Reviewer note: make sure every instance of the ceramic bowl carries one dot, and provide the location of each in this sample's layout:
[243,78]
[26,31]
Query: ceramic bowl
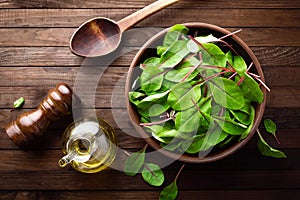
[148,50]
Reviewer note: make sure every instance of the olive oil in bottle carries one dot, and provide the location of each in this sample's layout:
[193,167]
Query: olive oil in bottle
[89,146]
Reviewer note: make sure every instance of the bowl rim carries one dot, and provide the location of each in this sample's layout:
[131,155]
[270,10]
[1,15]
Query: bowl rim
[186,157]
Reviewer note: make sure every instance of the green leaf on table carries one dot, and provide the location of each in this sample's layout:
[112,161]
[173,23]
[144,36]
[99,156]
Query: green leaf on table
[19,103]
[170,192]
[134,162]
[174,33]
[226,93]
[250,89]
[182,94]
[153,175]
[266,150]
[239,64]
[271,127]
[151,79]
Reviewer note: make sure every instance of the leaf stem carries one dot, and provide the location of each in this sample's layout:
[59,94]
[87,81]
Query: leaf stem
[178,173]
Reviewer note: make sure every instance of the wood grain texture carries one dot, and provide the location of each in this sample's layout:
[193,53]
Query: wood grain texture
[34,57]
[150,195]
[62,57]
[59,37]
[222,17]
[210,179]
[142,3]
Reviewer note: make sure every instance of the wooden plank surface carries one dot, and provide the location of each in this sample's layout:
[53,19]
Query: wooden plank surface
[222,17]
[34,57]
[142,3]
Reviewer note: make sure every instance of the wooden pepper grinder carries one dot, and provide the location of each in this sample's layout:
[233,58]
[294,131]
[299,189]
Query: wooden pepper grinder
[30,126]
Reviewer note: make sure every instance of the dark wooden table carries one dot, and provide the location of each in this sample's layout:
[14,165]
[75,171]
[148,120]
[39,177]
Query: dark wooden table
[34,57]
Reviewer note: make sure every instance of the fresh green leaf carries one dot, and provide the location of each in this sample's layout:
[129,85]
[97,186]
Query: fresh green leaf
[153,175]
[251,118]
[239,64]
[134,162]
[194,144]
[174,33]
[174,54]
[183,94]
[135,97]
[213,55]
[170,192]
[229,126]
[267,150]
[271,127]
[177,75]
[226,93]
[206,39]
[19,102]
[151,79]
[152,61]
[153,105]
[251,89]
[187,120]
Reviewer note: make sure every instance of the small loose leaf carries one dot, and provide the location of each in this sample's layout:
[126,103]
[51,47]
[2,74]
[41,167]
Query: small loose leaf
[153,175]
[266,150]
[134,162]
[271,127]
[19,103]
[170,192]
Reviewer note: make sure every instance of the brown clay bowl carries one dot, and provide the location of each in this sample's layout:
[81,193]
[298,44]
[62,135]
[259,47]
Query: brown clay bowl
[148,50]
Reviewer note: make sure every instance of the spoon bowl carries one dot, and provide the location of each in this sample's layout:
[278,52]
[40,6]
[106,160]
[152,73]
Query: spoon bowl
[96,37]
[100,36]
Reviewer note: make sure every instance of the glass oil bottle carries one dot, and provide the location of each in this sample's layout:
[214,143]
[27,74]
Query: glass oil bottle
[89,145]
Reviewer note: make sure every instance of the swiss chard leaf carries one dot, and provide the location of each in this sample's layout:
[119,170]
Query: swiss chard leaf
[152,61]
[153,175]
[170,192]
[177,75]
[267,150]
[174,54]
[187,120]
[251,89]
[183,94]
[174,33]
[134,162]
[151,79]
[194,144]
[239,64]
[226,93]
[230,126]
[271,127]
[153,105]
[135,97]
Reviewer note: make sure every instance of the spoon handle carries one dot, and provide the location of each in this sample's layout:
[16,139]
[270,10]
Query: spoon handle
[134,18]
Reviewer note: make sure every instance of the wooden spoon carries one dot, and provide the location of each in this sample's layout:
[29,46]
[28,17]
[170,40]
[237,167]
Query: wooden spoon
[100,36]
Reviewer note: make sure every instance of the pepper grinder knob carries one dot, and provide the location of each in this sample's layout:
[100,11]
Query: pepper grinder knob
[30,126]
